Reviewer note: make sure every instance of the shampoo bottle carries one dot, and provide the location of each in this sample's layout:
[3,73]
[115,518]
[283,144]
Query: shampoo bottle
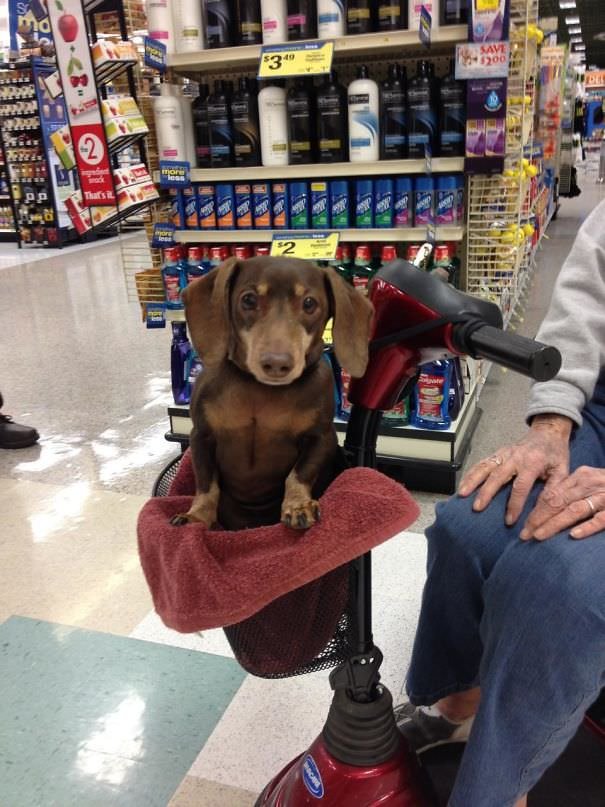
[199,110]
[186,102]
[302,19]
[301,118]
[422,120]
[160,23]
[330,18]
[364,131]
[169,126]
[452,116]
[392,15]
[249,27]
[393,134]
[188,30]
[273,116]
[332,139]
[220,127]
[244,114]
[359,17]
[219,23]
[274,14]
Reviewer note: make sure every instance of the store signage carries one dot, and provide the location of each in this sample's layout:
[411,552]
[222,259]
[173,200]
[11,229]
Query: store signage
[174,174]
[28,24]
[315,246]
[424,26]
[155,54]
[155,315]
[304,59]
[482,60]
[594,79]
[82,101]
[489,20]
[163,235]
[485,125]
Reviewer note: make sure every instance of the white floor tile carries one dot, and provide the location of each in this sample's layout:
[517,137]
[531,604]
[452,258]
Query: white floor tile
[152,629]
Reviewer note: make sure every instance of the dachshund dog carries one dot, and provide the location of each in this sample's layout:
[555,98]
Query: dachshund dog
[263,442]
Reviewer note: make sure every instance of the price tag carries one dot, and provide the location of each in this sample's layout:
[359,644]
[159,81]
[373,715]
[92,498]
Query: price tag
[308,246]
[304,59]
[482,60]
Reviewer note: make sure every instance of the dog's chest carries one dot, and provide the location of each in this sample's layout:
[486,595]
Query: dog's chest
[263,415]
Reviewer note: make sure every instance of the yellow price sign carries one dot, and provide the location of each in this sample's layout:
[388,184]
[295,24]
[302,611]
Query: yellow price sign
[308,246]
[304,59]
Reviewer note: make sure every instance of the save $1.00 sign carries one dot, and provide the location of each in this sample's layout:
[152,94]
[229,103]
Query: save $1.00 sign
[82,102]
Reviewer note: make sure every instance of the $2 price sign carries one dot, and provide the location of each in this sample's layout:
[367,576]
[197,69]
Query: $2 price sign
[307,246]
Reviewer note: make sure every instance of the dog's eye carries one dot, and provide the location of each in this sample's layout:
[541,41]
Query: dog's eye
[309,305]
[249,301]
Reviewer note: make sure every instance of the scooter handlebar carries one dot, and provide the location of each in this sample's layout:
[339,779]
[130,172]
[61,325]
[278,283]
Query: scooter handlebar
[526,356]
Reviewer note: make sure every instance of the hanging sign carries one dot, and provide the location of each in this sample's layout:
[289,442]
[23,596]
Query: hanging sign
[482,60]
[304,59]
[424,26]
[314,246]
[594,79]
[485,125]
[174,174]
[155,54]
[163,235]
[82,101]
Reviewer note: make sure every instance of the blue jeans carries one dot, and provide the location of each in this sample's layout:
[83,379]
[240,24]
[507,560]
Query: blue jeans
[525,621]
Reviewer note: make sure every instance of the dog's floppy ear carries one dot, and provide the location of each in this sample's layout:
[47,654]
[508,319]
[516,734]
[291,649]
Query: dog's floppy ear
[352,323]
[207,312]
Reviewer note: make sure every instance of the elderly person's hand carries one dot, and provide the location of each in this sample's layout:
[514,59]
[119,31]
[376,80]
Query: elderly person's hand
[543,454]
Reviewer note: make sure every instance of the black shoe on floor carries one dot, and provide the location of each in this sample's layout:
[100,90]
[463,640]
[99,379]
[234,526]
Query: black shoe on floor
[14,435]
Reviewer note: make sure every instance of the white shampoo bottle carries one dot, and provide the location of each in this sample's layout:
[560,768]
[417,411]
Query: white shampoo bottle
[274,15]
[160,23]
[169,125]
[330,19]
[188,28]
[273,117]
[364,132]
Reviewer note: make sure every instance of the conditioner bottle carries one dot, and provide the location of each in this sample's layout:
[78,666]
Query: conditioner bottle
[332,138]
[364,133]
[273,116]
[274,19]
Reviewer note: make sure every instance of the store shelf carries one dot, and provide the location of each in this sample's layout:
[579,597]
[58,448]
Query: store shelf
[109,71]
[412,234]
[439,165]
[378,44]
[125,142]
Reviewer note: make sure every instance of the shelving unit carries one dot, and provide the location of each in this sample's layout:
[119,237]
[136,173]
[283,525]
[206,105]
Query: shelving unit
[390,235]
[378,45]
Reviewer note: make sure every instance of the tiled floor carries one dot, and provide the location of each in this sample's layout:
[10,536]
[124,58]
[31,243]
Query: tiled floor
[100,704]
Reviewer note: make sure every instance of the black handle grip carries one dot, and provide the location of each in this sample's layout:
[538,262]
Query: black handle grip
[526,356]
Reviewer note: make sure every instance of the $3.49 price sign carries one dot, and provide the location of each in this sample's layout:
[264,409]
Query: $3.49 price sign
[308,246]
[305,59]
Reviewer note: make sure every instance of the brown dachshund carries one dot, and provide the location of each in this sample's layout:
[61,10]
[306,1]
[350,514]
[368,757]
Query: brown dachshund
[263,442]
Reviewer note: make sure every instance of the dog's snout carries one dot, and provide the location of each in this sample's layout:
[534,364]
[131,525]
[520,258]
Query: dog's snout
[277,365]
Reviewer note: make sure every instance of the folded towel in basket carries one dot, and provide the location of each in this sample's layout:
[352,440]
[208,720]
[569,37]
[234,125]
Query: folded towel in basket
[201,578]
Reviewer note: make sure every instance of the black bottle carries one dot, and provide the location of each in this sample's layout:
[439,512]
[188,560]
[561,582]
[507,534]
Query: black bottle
[199,110]
[422,118]
[219,122]
[249,25]
[392,15]
[393,123]
[244,116]
[301,117]
[332,120]
[452,115]
[219,23]
[454,12]
[302,19]
[359,17]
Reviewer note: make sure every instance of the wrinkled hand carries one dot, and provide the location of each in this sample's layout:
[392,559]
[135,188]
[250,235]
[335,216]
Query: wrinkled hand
[579,499]
[543,453]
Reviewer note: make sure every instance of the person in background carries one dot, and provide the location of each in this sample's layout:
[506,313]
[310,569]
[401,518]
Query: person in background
[510,647]
[14,435]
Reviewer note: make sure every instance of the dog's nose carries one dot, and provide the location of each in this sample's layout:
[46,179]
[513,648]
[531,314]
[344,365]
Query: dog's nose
[277,365]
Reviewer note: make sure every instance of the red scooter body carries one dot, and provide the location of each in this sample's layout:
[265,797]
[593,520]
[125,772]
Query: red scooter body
[316,775]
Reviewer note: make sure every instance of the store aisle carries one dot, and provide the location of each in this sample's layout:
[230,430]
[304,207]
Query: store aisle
[102,705]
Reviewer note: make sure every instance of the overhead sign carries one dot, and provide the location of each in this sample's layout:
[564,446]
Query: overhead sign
[82,102]
[304,59]
[594,79]
[482,60]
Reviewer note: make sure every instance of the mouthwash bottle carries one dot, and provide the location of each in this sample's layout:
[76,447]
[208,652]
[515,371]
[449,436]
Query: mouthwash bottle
[432,396]
[456,396]
[180,350]
[362,269]
[172,277]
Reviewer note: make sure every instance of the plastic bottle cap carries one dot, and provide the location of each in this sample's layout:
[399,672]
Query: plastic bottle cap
[363,252]
[195,253]
[389,253]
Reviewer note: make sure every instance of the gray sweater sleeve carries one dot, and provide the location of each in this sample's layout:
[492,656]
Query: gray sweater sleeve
[575,324]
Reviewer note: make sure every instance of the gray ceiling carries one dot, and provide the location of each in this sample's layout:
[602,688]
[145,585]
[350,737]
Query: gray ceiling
[592,20]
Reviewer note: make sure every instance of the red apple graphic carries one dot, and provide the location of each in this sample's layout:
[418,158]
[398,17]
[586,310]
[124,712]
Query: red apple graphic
[68,27]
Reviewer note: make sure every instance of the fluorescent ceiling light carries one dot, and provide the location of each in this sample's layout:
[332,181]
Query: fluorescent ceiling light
[573,20]
[580,47]
[567,3]
[574,39]
[575,29]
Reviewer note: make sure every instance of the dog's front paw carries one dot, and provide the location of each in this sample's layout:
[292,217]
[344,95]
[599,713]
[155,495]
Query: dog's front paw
[185,518]
[300,515]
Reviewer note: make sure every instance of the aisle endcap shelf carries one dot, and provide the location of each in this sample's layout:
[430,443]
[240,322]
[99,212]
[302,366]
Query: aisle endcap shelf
[207,61]
[391,234]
